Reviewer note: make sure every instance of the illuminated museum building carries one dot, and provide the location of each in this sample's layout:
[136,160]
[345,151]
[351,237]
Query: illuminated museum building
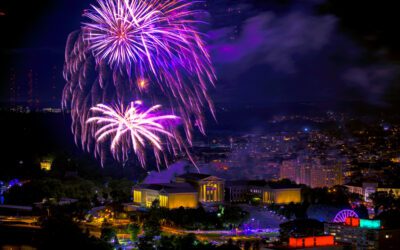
[238,191]
[188,190]
[171,195]
[210,188]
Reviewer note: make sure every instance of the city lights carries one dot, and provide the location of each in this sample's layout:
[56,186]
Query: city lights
[371,224]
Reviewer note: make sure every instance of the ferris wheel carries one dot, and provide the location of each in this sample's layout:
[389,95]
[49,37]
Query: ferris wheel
[343,214]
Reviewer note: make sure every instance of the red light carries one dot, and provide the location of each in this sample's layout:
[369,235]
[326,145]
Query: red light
[292,242]
[327,240]
[309,242]
[353,222]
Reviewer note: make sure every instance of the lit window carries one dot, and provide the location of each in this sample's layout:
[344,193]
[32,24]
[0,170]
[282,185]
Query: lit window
[137,196]
[163,201]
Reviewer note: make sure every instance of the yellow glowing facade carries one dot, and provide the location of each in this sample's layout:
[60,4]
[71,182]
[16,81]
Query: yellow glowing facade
[211,192]
[394,191]
[189,200]
[45,165]
[163,201]
[187,191]
[137,196]
[396,160]
[211,189]
[146,197]
[282,196]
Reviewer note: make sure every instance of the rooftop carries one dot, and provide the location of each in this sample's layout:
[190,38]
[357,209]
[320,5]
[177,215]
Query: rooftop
[261,183]
[194,176]
[276,185]
[169,187]
[258,183]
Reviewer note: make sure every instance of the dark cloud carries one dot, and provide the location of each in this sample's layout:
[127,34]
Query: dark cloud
[272,40]
[295,55]
[373,80]
[372,23]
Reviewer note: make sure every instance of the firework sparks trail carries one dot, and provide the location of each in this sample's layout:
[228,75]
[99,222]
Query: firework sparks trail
[133,126]
[150,50]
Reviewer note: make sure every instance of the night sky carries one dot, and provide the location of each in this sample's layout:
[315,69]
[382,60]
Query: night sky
[264,51]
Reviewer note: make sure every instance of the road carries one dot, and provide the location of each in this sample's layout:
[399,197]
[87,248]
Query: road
[262,218]
[21,222]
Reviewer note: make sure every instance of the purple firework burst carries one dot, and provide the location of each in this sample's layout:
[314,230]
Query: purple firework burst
[138,49]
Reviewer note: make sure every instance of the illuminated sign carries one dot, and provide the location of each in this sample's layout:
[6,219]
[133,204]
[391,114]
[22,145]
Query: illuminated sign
[351,221]
[327,240]
[372,224]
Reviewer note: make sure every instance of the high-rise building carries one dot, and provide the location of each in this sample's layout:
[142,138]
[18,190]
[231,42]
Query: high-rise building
[325,176]
[312,173]
[305,175]
[290,169]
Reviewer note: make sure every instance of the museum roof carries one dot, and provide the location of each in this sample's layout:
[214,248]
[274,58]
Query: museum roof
[194,176]
[258,183]
[169,187]
[277,185]
[261,183]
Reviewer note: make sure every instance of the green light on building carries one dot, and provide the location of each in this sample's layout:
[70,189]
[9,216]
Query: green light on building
[372,224]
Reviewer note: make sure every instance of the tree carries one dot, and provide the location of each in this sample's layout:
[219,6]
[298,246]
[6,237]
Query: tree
[234,216]
[107,232]
[390,219]
[228,246]
[146,243]
[167,242]
[78,188]
[134,230]
[382,200]
[185,242]
[120,190]
[335,196]
[60,232]
[151,225]
[34,191]
[44,188]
